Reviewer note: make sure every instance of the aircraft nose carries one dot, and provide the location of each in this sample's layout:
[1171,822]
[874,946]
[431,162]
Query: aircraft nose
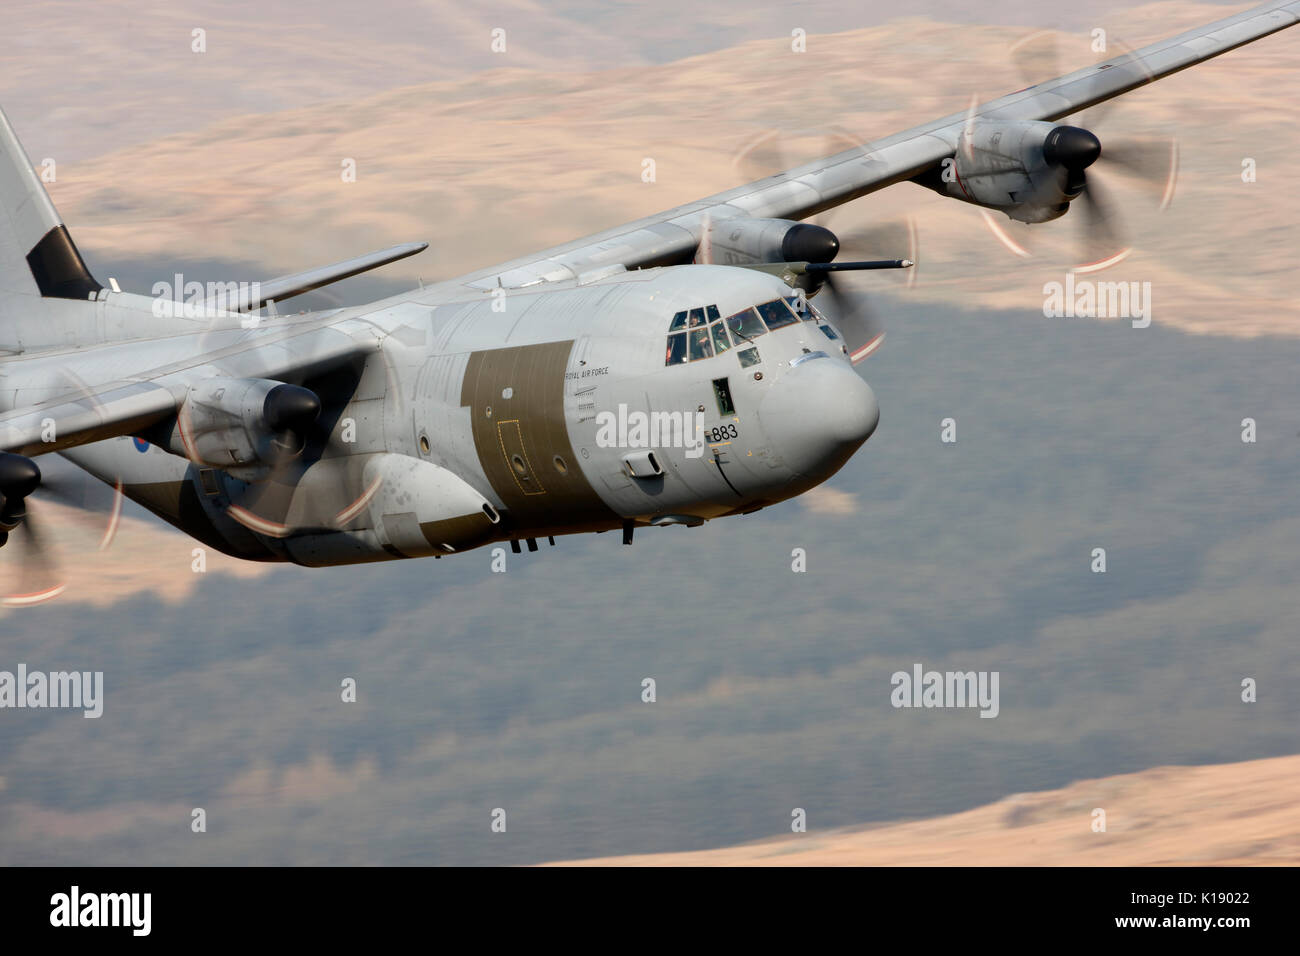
[818,415]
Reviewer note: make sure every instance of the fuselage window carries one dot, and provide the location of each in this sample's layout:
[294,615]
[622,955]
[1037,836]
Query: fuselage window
[746,325]
[776,315]
[830,333]
[720,341]
[701,347]
[679,322]
[676,354]
[722,391]
[748,357]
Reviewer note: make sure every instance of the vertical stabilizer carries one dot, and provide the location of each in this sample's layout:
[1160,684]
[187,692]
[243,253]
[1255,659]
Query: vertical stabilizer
[37,256]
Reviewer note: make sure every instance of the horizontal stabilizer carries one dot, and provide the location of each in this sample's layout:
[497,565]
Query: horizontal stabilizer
[253,297]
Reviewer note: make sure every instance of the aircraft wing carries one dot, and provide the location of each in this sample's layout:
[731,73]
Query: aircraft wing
[671,237]
[81,410]
[118,408]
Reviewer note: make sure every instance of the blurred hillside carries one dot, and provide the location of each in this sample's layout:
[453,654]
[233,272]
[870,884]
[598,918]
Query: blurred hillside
[1231,815]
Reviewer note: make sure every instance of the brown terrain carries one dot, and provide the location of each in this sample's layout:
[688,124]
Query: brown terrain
[503,161]
[1227,815]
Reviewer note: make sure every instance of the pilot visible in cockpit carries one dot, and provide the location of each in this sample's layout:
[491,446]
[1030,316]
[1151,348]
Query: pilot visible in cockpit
[701,347]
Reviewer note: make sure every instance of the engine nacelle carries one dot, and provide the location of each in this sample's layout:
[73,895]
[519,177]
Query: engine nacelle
[737,242]
[1008,166]
[244,426]
[384,506]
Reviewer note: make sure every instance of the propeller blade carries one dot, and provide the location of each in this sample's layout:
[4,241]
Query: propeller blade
[704,252]
[894,239]
[762,157]
[964,143]
[82,494]
[76,489]
[38,579]
[1104,234]
[1037,57]
[1153,161]
[1002,235]
[1148,159]
[769,152]
[849,311]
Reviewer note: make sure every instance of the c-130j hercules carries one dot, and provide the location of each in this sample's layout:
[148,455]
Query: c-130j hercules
[471,411]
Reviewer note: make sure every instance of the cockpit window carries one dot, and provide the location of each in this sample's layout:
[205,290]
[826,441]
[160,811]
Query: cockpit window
[701,346]
[700,333]
[697,334]
[720,341]
[776,314]
[676,353]
[746,324]
[799,306]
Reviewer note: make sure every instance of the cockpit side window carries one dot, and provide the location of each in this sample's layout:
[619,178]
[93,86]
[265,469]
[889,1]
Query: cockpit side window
[676,352]
[720,341]
[746,324]
[776,314]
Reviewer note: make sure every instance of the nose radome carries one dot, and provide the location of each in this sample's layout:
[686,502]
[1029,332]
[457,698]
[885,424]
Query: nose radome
[818,415]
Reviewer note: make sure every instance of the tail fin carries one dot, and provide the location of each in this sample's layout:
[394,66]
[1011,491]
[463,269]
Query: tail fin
[37,256]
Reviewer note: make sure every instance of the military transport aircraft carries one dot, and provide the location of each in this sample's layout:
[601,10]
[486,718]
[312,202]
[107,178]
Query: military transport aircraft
[667,371]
